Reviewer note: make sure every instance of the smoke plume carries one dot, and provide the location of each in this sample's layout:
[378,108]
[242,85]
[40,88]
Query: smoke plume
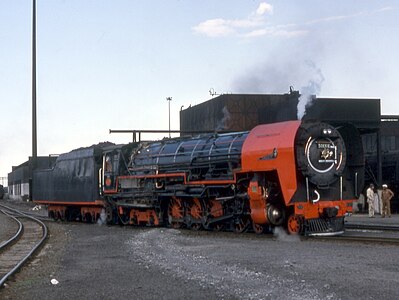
[309,92]
[223,124]
[276,76]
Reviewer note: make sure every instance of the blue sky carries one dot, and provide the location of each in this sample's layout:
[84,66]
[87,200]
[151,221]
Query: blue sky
[111,64]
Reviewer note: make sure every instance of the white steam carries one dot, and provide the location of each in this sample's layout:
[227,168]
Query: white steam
[309,91]
[281,235]
[223,124]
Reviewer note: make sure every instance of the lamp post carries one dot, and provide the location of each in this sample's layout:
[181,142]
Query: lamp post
[169,99]
[34,122]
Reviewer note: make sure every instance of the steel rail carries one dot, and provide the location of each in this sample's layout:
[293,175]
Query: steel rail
[43,218]
[32,251]
[16,235]
[373,227]
[363,239]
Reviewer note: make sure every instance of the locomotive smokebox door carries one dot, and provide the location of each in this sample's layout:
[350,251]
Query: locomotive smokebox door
[321,153]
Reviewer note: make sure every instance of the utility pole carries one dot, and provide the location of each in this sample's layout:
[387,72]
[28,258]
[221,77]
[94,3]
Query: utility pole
[34,121]
[169,99]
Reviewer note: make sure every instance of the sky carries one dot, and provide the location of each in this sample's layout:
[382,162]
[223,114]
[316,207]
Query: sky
[105,64]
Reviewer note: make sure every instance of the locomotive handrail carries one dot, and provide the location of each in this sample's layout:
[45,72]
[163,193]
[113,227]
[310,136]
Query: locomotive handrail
[167,131]
[189,132]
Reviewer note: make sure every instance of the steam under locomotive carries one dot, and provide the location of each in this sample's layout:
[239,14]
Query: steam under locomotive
[300,175]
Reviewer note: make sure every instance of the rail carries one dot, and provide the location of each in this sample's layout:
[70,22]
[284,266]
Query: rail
[7,246]
[365,239]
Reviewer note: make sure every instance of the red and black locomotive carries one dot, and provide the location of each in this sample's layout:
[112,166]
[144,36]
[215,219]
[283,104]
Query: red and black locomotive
[300,175]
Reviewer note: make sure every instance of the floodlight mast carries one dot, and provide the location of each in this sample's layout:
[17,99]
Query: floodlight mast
[34,120]
[169,99]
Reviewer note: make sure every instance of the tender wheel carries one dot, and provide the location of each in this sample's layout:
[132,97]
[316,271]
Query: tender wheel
[175,213]
[258,228]
[51,215]
[62,215]
[294,224]
[109,215]
[241,225]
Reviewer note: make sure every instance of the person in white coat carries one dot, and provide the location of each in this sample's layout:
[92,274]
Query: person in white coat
[370,200]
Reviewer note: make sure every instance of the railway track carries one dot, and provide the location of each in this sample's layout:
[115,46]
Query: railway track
[17,250]
[368,234]
[373,227]
[368,239]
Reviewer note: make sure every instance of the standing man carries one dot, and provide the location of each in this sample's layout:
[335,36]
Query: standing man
[370,200]
[386,197]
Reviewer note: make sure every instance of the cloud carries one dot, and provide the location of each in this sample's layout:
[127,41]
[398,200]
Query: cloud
[272,31]
[214,28]
[350,16]
[254,26]
[264,8]
[220,27]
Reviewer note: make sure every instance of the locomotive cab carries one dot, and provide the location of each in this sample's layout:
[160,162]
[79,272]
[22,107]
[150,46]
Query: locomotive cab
[110,171]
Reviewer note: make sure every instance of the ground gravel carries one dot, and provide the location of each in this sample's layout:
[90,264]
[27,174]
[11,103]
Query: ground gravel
[8,227]
[102,262]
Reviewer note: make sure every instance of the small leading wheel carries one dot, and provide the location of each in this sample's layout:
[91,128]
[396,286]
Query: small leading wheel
[258,228]
[294,224]
[175,213]
[241,225]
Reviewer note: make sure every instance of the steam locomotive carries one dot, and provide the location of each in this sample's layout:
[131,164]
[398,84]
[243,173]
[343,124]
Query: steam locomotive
[303,176]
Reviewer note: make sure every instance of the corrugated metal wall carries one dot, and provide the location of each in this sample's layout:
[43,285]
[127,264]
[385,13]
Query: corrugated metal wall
[239,112]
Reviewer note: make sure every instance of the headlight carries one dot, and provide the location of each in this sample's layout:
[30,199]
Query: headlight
[327,131]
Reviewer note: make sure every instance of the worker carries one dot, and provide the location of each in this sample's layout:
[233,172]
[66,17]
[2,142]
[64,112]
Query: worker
[386,197]
[370,200]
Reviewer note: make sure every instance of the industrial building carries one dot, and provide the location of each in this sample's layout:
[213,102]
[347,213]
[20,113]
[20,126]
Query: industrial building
[19,187]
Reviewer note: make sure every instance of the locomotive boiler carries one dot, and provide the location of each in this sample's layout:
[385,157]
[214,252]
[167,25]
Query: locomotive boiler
[303,176]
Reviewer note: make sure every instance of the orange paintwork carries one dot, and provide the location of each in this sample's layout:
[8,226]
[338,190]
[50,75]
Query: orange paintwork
[215,209]
[148,216]
[257,203]
[258,149]
[56,208]
[314,210]
[90,210]
[55,202]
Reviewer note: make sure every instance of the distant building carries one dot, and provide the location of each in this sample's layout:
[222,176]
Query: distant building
[240,112]
[388,139]
[19,179]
